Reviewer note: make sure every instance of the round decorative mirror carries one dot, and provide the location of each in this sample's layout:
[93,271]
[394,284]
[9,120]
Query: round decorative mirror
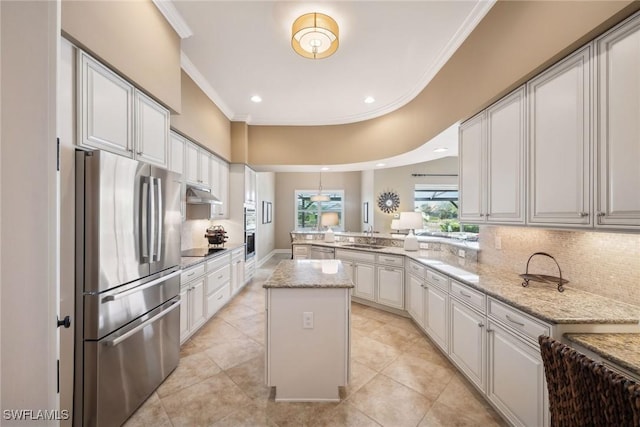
[388,201]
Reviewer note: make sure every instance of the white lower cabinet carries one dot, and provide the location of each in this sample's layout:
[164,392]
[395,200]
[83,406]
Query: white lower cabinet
[364,281]
[300,251]
[218,281]
[468,344]
[436,318]
[237,270]
[516,384]
[391,286]
[415,298]
[192,309]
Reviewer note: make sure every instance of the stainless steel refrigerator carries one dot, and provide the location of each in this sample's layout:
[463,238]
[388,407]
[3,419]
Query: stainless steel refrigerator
[128,227]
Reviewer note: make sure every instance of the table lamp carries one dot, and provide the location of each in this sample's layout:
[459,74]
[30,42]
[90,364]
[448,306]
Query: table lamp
[411,221]
[395,225]
[328,220]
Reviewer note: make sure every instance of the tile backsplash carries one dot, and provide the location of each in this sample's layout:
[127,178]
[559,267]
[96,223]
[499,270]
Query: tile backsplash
[606,264]
[193,234]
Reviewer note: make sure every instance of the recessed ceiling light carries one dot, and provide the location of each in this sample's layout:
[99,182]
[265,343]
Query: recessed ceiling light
[256,98]
[380,164]
[440,150]
[369,100]
[324,168]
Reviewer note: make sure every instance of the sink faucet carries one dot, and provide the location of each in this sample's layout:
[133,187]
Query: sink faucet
[370,232]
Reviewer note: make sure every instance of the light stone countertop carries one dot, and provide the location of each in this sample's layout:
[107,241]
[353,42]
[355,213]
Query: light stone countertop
[541,300]
[309,274]
[190,261]
[620,349]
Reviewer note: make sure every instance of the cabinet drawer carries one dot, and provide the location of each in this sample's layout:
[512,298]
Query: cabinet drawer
[468,295]
[218,299]
[393,260]
[218,262]
[237,254]
[416,269]
[355,255]
[300,250]
[438,279]
[191,273]
[517,320]
[218,278]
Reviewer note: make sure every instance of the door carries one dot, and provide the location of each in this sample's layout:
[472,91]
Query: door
[560,105]
[165,233]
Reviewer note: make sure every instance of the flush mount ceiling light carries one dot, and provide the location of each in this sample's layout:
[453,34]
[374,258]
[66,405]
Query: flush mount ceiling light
[440,150]
[314,35]
[256,98]
[369,100]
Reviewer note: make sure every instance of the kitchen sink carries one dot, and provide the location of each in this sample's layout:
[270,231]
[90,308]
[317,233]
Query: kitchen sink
[362,246]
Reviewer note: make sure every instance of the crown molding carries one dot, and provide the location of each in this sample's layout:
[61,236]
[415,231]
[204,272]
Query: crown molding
[173,17]
[193,72]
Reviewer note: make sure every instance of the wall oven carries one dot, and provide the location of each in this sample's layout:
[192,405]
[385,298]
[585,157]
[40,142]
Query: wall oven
[250,244]
[250,230]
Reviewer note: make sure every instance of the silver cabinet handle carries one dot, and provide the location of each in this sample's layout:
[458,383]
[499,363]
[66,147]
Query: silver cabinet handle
[116,341]
[220,276]
[481,325]
[514,321]
[220,296]
[128,292]
[464,294]
[600,213]
[191,274]
[583,214]
[139,153]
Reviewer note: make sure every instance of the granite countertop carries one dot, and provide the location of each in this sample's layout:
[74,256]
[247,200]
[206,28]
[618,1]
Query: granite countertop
[190,261]
[541,300]
[309,274]
[620,349]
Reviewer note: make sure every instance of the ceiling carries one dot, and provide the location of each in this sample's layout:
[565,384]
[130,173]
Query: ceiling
[388,50]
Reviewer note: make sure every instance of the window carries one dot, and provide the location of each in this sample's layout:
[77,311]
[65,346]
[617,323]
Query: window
[308,211]
[439,207]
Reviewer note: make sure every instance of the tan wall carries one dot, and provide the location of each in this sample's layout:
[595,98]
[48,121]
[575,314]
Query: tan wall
[265,233]
[284,207]
[515,40]
[601,263]
[133,38]
[400,181]
[239,142]
[202,121]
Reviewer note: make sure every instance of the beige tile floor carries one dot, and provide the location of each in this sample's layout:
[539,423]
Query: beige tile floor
[398,377]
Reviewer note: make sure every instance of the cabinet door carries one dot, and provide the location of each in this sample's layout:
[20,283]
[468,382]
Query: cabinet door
[184,313]
[436,315]
[391,286]
[365,281]
[472,136]
[191,163]
[222,211]
[559,140]
[505,159]
[176,153]
[196,304]
[214,176]
[416,299]
[106,108]
[618,146]
[204,170]
[237,274]
[152,130]
[468,344]
[516,383]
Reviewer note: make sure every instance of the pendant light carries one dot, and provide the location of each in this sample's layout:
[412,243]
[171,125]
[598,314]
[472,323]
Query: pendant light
[320,197]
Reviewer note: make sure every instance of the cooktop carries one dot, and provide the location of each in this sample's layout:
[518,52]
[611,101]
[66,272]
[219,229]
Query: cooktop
[201,252]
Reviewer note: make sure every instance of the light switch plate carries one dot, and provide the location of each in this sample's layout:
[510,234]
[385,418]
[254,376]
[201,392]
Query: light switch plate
[308,237]
[461,253]
[307,320]
[424,246]
[498,242]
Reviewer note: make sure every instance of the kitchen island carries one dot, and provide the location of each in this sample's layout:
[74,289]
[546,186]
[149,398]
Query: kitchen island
[308,330]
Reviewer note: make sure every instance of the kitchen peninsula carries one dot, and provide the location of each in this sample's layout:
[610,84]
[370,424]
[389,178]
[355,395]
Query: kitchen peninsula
[308,330]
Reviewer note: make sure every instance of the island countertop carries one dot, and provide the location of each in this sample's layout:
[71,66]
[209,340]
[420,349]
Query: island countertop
[309,274]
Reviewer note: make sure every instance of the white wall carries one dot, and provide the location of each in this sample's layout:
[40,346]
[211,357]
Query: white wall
[265,233]
[29,218]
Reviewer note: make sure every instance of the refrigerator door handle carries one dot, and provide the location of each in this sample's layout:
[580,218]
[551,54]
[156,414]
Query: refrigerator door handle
[144,220]
[152,283]
[116,341]
[152,219]
[159,225]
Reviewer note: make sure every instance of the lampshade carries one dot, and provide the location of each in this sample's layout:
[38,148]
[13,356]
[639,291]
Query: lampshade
[410,220]
[320,197]
[330,218]
[314,35]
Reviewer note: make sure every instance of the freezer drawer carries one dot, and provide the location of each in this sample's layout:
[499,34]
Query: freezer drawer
[124,368]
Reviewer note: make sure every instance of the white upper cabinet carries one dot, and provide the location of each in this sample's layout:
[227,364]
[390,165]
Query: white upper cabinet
[249,185]
[152,130]
[116,117]
[560,105]
[491,149]
[176,153]
[106,108]
[617,178]
[204,175]
[191,163]
[222,190]
[471,163]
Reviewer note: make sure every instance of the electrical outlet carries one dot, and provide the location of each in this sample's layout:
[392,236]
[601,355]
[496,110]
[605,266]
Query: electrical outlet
[307,320]
[308,236]
[351,239]
[424,246]
[461,253]
[498,242]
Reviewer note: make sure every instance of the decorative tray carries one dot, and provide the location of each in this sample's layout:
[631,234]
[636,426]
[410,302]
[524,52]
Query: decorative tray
[544,278]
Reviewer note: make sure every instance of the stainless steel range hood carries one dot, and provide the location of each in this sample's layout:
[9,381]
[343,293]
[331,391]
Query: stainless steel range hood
[200,196]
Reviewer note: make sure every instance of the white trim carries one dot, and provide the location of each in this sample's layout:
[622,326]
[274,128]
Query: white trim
[195,74]
[432,187]
[174,18]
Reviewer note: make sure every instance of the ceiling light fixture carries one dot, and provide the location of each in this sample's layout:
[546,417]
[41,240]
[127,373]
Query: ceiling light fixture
[440,150]
[324,168]
[380,164]
[256,99]
[369,100]
[320,197]
[314,35]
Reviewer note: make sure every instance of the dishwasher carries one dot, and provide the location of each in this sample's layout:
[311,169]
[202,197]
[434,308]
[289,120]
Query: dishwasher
[320,252]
